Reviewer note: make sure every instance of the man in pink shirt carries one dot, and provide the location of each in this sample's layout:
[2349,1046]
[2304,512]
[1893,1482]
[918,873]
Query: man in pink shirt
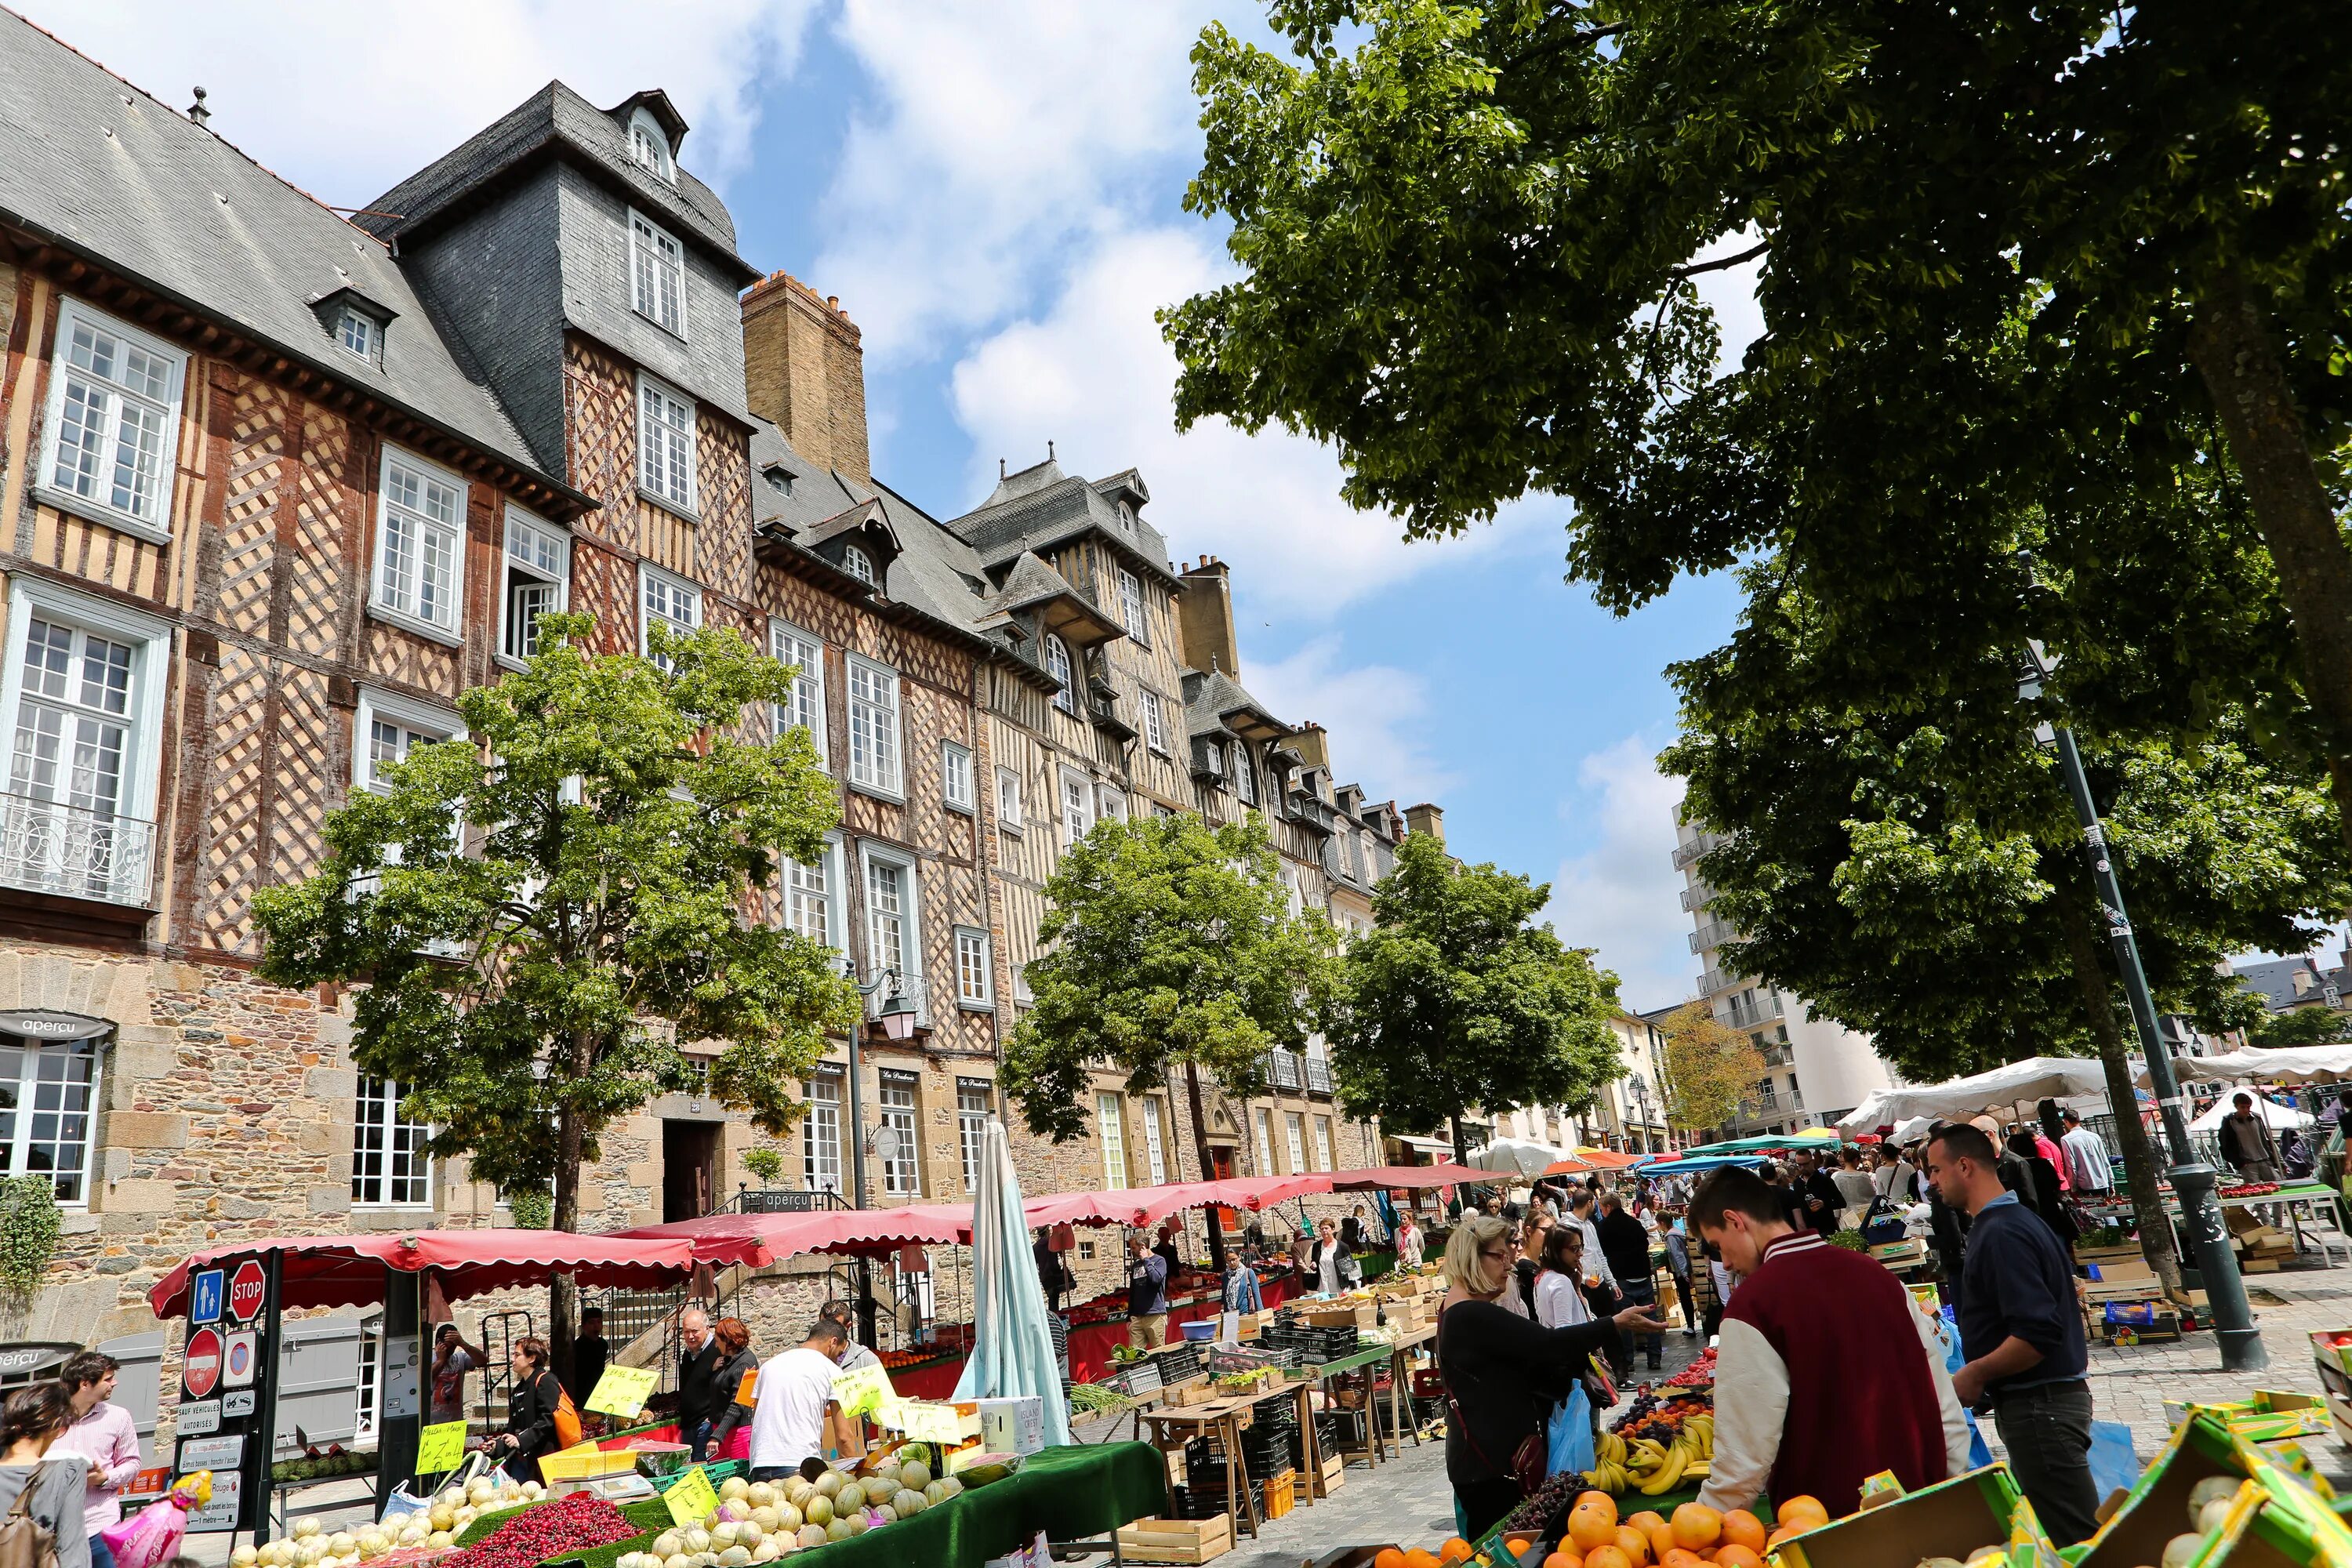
[105,1438]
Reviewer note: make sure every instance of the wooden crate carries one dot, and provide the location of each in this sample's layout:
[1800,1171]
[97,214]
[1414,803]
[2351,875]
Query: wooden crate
[1330,1478]
[1191,1390]
[1281,1494]
[1177,1540]
[1359,1316]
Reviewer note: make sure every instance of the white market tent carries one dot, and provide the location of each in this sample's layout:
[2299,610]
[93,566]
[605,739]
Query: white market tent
[2036,1077]
[1520,1156]
[2288,1063]
[2279,1116]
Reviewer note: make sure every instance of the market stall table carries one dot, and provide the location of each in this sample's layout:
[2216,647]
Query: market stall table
[1223,1421]
[2302,1200]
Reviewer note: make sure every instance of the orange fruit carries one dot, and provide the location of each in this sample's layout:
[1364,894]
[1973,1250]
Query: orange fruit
[1779,1536]
[1661,1534]
[1606,1557]
[1563,1559]
[1420,1557]
[1732,1555]
[1455,1549]
[1697,1526]
[1601,1501]
[1804,1513]
[1634,1545]
[1741,1528]
[1589,1528]
[1519,1544]
[1387,1557]
[1678,1557]
[1646,1521]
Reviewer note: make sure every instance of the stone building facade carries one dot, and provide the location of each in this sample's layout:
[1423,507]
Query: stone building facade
[277,484]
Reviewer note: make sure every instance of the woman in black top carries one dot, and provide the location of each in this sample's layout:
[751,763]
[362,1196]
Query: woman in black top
[1503,1373]
[2035,1184]
[530,1411]
[736,1362]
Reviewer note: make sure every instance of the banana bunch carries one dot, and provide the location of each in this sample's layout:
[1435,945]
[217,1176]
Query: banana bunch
[1655,1468]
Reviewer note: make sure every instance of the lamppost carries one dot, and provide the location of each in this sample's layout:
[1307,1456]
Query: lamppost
[2192,1179]
[1642,1104]
[897,1020]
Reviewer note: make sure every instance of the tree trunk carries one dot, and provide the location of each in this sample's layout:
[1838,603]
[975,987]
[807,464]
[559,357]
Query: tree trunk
[1461,1150]
[1201,1144]
[2131,1132]
[562,1295]
[2230,344]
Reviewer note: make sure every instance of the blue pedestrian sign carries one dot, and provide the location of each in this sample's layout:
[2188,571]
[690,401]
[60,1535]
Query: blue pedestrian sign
[204,1297]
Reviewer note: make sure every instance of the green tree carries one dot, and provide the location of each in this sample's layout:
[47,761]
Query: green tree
[536,915]
[2300,1026]
[1457,1001]
[1914,871]
[2073,257]
[1710,1067]
[1168,945]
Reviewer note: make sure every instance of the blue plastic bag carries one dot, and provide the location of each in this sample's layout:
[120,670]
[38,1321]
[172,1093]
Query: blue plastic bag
[2114,1466]
[1949,1333]
[1569,1435]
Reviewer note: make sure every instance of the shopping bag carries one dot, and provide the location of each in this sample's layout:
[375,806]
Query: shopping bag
[1569,1437]
[1948,1332]
[2114,1466]
[414,1495]
[152,1536]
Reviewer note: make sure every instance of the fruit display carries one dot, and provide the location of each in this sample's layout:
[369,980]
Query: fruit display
[1596,1537]
[2250,1190]
[2210,1502]
[546,1530]
[400,1537]
[1700,1373]
[1645,1464]
[318,1465]
[1982,1554]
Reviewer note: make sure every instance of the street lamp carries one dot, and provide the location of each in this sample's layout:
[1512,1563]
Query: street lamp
[1641,1103]
[2192,1179]
[897,1022]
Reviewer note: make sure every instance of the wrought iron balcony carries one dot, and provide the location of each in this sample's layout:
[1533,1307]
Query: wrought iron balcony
[1286,1069]
[48,846]
[1318,1076]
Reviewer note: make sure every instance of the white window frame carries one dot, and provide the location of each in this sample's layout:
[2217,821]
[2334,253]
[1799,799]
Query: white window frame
[788,644]
[902,1175]
[151,671]
[956,777]
[971,1125]
[828,865]
[858,562]
[20,1141]
[1008,798]
[1110,1128]
[422,719]
[1155,1147]
[1323,1143]
[1076,811]
[1294,1131]
[975,970]
[657,259]
[539,540]
[647,136]
[821,1164]
[1111,802]
[910,967]
[386,1121]
[1137,614]
[1155,722]
[1263,1127]
[1243,774]
[649,577]
[441,629]
[877,760]
[150,516]
[370,333]
[1062,668]
[655,479]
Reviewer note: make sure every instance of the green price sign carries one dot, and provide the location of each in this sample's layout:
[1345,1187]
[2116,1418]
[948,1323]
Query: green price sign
[867,1388]
[440,1448]
[690,1499]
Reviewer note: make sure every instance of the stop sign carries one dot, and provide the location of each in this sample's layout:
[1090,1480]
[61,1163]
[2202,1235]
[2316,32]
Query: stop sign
[202,1365]
[245,1289]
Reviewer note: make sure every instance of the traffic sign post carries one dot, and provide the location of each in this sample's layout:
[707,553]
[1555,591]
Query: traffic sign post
[200,1367]
[229,1392]
[247,1291]
[205,1296]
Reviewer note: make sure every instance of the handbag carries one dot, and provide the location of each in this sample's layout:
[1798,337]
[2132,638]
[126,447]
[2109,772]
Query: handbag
[26,1542]
[1530,1460]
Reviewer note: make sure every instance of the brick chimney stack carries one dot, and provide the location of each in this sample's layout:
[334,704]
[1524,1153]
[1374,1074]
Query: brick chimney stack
[1425,818]
[1313,744]
[805,368]
[1204,617]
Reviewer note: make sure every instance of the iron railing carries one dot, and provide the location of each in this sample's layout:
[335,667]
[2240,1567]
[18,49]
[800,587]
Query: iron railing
[1318,1076]
[1746,1012]
[1710,933]
[49,846]
[1687,853]
[1286,1069]
[1695,896]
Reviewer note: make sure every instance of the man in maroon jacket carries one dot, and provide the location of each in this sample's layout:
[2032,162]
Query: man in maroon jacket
[1827,1371]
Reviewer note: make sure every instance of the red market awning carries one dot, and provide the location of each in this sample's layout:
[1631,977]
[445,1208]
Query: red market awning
[1381,1178]
[756,1240]
[1608,1158]
[347,1270]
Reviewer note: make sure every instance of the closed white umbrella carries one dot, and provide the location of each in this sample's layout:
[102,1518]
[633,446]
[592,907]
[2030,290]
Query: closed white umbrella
[1518,1156]
[1011,1348]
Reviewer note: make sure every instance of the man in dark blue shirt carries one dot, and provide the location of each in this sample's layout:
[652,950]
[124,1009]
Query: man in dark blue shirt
[2022,1331]
[1147,1294]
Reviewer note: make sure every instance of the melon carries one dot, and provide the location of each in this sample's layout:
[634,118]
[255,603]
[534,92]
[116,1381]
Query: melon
[733,1487]
[915,1474]
[838,1531]
[2181,1551]
[811,1535]
[830,1483]
[668,1545]
[819,1509]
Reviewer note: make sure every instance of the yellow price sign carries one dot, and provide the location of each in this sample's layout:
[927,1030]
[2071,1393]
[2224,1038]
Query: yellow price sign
[623,1390]
[863,1389]
[690,1497]
[926,1423]
[440,1447]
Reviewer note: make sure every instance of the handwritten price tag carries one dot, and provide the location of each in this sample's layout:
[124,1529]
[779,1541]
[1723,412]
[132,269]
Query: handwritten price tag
[440,1448]
[925,1423]
[864,1389]
[690,1497]
[624,1390]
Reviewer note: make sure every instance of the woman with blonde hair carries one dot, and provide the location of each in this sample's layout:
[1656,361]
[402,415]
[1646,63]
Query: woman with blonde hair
[1503,1373]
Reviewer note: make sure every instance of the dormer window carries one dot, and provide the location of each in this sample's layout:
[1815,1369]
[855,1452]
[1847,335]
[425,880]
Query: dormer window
[359,334]
[649,145]
[860,565]
[1057,665]
[778,477]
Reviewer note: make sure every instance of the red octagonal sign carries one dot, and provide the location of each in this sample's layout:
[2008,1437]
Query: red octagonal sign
[246,1288]
[202,1366]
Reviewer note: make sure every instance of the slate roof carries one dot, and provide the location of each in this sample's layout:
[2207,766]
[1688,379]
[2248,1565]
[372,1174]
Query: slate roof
[553,119]
[1042,506]
[110,171]
[2273,981]
[1211,695]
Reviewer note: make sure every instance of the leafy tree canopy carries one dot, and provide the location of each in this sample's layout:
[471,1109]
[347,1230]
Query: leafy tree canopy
[1456,1001]
[1710,1069]
[2300,1026]
[1167,942]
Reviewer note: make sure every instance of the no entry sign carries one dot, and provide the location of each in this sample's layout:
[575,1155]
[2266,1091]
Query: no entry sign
[202,1369]
[246,1291]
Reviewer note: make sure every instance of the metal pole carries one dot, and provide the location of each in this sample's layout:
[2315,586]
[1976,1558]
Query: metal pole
[2192,1179]
[857,1179]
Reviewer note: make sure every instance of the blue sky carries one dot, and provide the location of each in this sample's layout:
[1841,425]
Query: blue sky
[992,190]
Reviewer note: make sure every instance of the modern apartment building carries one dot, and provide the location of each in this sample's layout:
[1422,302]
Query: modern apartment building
[1815,1070]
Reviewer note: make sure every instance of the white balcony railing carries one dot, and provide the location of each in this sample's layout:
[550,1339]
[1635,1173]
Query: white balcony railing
[1746,1012]
[1710,933]
[48,846]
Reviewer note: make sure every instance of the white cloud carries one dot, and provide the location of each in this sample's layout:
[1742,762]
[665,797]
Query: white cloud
[1093,374]
[344,101]
[1006,137]
[1731,295]
[1623,895]
[1377,716]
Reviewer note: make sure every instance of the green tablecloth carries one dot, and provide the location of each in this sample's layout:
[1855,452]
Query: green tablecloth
[1077,1493]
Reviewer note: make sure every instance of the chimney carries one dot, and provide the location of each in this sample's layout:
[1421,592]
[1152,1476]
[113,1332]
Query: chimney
[1313,744]
[1204,617]
[1425,818]
[804,369]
